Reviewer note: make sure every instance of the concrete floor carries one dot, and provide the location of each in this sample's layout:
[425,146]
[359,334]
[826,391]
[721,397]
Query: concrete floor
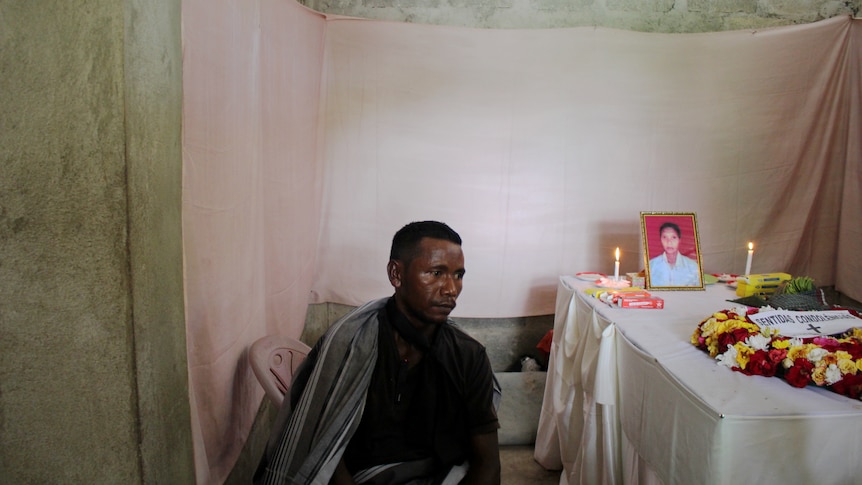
[519,468]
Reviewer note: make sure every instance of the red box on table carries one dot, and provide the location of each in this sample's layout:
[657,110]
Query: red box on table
[648,302]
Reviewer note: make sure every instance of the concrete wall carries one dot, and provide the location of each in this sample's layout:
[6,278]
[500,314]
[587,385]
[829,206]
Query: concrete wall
[640,15]
[506,339]
[93,374]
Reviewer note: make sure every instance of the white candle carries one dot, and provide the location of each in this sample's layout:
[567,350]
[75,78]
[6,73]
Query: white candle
[748,261]
[617,265]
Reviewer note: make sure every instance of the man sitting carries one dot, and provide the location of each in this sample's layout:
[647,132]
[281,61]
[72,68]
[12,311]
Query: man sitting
[393,393]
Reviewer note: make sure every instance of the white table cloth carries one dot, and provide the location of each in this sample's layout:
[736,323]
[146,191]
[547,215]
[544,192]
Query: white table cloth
[630,400]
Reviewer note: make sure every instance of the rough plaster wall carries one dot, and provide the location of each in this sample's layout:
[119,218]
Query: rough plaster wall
[66,383]
[69,392]
[646,16]
[153,97]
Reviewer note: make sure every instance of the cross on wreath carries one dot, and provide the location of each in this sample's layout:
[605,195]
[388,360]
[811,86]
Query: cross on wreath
[811,326]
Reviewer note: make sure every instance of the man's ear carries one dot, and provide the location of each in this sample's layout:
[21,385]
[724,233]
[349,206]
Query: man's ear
[395,269]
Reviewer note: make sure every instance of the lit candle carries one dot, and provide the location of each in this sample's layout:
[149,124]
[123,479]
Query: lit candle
[748,261]
[617,265]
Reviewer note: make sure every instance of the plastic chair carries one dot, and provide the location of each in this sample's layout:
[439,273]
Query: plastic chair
[274,359]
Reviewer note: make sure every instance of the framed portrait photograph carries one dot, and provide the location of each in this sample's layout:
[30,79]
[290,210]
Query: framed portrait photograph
[671,251]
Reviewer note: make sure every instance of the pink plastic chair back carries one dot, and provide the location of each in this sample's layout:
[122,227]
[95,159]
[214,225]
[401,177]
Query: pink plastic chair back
[274,359]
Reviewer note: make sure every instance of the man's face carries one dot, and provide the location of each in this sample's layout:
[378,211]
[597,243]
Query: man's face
[669,240]
[426,288]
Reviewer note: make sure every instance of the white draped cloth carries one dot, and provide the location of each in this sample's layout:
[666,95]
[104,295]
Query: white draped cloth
[629,400]
[308,141]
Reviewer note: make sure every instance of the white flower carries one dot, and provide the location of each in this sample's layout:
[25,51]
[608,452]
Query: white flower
[740,310]
[833,374]
[816,354]
[727,359]
[758,342]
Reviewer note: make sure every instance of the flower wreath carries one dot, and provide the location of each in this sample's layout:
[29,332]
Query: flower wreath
[735,341]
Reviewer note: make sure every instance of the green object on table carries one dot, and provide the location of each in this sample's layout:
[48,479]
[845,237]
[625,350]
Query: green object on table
[799,284]
[752,301]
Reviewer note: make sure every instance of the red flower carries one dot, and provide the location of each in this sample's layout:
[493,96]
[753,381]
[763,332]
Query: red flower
[849,385]
[764,363]
[854,348]
[777,355]
[732,337]
[799,374]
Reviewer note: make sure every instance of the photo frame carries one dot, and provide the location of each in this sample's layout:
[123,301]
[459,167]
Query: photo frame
[672,259]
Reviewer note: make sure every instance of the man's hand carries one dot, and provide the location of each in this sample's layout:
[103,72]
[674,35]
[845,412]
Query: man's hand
[342,475]
[484,460]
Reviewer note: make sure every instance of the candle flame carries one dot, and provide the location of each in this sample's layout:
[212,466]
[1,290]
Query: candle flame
[751,246]
[617,253]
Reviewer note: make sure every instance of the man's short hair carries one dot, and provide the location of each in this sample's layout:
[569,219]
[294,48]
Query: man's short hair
[672,226]
[407,238]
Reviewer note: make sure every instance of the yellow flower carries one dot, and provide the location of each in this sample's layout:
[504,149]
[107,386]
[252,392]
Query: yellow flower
[859,364]
[709,327]
[780,344]
[797,352]
[743,354]
[843,355]
[847,366]
[734,324]
[818,375]
[712,348]
[719,316]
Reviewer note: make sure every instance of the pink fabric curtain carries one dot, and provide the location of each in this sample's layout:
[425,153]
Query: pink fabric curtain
[848,258]
[542,147]
[309,141]
[251,202]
